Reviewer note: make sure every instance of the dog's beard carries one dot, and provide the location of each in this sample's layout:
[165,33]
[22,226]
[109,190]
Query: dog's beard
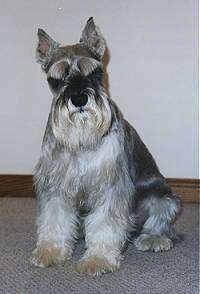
[81,130]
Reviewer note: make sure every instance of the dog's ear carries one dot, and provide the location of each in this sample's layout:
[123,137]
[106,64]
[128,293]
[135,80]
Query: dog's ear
[46,46]
[93,39]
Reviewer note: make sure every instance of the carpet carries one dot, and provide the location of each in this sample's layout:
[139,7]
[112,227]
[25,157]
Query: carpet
[173,272]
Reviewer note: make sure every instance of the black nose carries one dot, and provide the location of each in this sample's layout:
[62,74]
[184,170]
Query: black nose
[79,101]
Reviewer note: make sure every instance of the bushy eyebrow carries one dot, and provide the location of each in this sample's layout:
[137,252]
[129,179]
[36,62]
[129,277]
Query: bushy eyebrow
[87,65]
[58,69]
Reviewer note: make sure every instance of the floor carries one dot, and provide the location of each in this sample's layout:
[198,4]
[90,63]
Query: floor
[173,272]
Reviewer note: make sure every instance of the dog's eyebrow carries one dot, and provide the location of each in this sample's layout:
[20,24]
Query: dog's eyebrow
[86,65]
[58,69]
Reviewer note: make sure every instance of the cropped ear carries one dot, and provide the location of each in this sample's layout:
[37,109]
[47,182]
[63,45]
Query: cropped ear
[93,39]
[46,46]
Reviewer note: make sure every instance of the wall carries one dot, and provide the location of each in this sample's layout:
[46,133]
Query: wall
[153,76]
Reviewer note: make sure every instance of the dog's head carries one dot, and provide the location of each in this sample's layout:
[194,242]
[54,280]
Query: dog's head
[80,113]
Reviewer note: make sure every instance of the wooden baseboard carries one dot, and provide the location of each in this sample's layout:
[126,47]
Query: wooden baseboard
[22,186]
[188,189]
[16,186]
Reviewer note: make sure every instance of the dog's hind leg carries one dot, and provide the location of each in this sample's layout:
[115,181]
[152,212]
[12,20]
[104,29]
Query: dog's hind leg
[154,199]
[157,231]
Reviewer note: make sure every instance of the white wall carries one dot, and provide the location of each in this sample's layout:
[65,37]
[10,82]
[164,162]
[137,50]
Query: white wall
[153,76]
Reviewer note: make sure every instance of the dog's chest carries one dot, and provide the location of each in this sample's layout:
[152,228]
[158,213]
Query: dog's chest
[92,164]
[89,169]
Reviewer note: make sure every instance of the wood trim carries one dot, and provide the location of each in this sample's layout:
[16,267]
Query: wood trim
[22,186]
[188,189]
[16,186]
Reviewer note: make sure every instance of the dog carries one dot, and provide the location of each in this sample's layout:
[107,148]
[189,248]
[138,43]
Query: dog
[94,172]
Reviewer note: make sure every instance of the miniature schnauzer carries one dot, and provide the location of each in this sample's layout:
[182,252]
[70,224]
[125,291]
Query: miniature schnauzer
[94,172]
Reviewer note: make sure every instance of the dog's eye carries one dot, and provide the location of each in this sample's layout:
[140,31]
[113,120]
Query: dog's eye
[55,84]
[66,73]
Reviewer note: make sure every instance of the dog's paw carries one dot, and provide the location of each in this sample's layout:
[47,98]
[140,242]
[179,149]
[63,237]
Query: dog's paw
[95,266]
[47,254]
[156,243]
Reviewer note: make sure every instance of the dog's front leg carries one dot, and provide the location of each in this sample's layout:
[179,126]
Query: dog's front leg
[105,234]
[56,231]
[104,241]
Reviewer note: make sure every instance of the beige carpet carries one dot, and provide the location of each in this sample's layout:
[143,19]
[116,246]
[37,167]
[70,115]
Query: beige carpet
[173,272]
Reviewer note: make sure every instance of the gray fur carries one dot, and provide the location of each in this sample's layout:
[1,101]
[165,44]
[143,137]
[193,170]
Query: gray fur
[94,166]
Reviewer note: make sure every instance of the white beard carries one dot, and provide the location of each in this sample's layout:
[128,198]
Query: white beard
[81,130]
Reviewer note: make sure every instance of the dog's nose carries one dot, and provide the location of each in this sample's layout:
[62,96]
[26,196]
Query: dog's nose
[79,101]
